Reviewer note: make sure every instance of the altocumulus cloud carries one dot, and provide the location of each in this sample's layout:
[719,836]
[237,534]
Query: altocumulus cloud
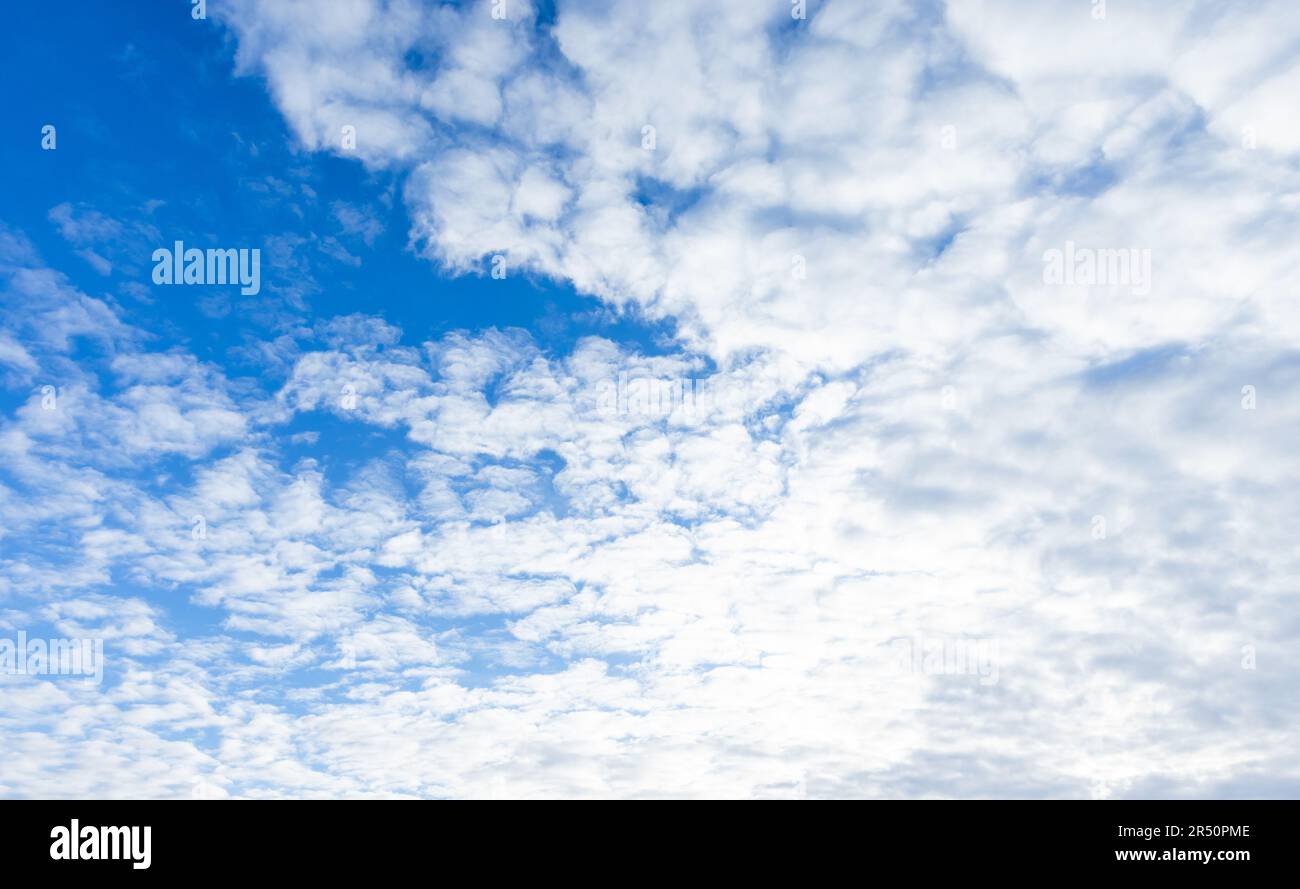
[964,529]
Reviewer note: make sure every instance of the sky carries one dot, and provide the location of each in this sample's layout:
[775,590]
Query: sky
[753,398]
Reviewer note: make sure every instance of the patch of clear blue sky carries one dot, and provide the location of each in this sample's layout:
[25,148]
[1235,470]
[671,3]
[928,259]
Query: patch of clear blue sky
[148,110]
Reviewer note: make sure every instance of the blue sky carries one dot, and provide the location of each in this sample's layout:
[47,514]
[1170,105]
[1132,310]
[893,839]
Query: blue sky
[937,522]
[164,123]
